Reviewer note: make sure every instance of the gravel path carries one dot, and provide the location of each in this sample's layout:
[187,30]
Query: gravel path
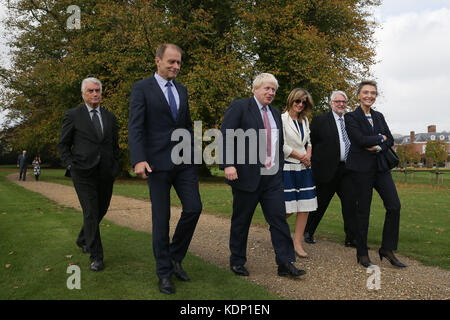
[332,271]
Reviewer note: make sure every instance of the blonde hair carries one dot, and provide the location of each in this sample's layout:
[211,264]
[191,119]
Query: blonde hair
[264,77]
[299,93]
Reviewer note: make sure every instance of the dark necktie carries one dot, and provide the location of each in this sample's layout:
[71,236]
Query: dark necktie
[96,122]
[172,102]
[345,138]
[268,136]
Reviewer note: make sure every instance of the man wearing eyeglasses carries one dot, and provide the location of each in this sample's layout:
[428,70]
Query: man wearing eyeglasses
[331,145]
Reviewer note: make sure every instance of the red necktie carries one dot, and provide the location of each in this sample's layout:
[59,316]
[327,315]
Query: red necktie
[269,137]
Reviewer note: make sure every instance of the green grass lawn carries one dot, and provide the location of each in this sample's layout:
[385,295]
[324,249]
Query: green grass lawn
[37,244]
[424,222]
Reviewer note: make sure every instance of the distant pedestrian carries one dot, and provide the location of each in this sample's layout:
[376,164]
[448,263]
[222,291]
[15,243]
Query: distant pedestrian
[36,167]
[23,165]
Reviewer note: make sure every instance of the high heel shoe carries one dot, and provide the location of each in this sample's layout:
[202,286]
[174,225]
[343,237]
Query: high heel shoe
[364,261]
[389,255]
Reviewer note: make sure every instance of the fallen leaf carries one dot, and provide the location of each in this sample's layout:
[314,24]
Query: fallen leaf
[7,265]
[69,256]
[48,269]
[11,252]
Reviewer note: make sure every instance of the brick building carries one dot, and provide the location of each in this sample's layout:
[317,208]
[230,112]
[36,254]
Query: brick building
[419,140]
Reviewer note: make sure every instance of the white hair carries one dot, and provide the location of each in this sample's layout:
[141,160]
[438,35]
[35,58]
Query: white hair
[264,77]
[335,93]
[91,80]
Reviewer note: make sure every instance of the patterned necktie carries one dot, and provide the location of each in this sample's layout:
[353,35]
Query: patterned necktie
[172,102]
[97,125]
[268,136]
[344,137]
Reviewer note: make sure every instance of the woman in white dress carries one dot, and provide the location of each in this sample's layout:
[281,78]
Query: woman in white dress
[299,187]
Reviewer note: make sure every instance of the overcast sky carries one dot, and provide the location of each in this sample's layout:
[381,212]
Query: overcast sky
[413,71]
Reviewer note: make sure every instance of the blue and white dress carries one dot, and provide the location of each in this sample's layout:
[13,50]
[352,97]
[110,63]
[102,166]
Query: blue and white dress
[299,186]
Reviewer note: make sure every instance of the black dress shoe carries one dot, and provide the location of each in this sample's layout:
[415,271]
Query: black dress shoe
[179,272]
[240,270]
[389,255]
[309,238]
[166,286]
[289,270]
[364,261]
[97,265]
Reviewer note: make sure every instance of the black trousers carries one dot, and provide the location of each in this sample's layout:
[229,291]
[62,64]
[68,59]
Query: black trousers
[270,195]
[382,182]
[23,173]
[94,193]
[184,179]
[342,185]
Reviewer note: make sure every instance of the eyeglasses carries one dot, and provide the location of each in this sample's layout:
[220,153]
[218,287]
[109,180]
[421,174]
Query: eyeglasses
[298,101]
[340,101]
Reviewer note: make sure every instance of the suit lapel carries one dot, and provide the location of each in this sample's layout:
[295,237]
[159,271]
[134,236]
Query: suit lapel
[155,88]
[254,110]
[183,99]
[334,129]
[364,120]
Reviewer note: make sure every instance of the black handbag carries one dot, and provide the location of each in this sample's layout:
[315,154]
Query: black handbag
[387,160]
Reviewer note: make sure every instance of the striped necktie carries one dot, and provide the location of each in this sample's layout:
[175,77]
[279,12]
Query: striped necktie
[344,137]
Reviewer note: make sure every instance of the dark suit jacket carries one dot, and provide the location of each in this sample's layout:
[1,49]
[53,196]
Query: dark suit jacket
[151,124]
[80,146]
[22,161]
[326,150]
[244,114]
[362,135]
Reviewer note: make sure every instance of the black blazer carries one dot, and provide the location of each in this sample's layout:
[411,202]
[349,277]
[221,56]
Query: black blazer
[326,150]
[244,114]
[151,124]
[79,145]
[362,135]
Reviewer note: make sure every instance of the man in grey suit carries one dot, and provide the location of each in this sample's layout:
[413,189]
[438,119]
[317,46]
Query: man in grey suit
[23,165]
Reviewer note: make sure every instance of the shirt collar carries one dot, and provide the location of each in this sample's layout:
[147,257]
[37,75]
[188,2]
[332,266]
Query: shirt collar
[162,82]
[260,106]
[90,109]
[336,117]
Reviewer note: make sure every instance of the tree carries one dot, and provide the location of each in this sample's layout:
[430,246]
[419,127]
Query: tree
[317,44]
[436,150]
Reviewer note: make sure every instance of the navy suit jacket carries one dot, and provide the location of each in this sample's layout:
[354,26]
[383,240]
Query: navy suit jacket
[244,114]
[151,124]
[362,135]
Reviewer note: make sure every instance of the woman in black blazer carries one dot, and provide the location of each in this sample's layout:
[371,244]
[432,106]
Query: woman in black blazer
[370,137]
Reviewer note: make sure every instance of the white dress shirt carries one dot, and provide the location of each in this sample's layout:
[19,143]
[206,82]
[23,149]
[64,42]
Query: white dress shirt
[162,84]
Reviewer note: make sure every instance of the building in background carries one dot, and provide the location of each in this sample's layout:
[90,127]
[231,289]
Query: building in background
[418,141]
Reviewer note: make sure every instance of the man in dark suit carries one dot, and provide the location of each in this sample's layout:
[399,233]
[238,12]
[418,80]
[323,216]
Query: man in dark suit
[23,165]
[158,107]
[330,144]
[88,144]
[254,182]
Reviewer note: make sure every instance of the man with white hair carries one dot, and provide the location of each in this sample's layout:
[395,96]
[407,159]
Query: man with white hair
[330,148]
[254,182]
[89,149]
